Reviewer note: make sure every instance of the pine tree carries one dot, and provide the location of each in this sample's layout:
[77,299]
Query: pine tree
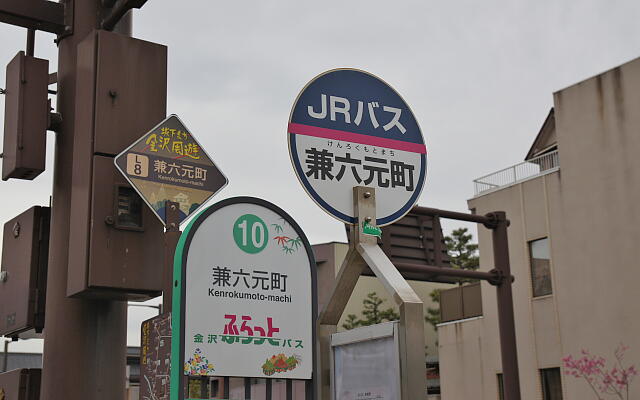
[371,313]
[463,254]
[433,314]
[351,322]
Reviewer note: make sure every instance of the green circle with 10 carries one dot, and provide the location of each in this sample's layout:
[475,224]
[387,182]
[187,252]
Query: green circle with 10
[250,234]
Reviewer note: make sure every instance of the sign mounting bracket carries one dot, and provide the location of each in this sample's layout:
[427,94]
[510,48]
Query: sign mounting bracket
[363,251]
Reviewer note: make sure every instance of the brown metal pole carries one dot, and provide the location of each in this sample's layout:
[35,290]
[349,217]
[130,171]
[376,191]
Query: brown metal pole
[171,237]
[247,388]
[446,271]
[434,212]
[5,359]
[508,349]
[118,11]
[85,340]
[204,387]
[269,389]
[289,389]
[437,241]
[31,41]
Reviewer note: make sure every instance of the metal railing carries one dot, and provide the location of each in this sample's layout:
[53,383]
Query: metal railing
[540,165]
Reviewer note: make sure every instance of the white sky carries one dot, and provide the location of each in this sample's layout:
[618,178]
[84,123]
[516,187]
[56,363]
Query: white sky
[479,77]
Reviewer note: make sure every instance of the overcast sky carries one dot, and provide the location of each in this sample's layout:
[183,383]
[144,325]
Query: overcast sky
[479,77]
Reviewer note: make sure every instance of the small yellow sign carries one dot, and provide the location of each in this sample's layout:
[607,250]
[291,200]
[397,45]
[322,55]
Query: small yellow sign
[168,164]
[138,165]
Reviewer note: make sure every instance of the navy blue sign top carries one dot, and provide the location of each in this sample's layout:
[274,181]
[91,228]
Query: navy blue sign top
[349,128]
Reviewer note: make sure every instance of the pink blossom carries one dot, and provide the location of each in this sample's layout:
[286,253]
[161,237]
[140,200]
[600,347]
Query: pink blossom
[593,370]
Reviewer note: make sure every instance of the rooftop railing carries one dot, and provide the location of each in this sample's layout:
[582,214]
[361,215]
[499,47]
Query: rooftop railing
[541,165]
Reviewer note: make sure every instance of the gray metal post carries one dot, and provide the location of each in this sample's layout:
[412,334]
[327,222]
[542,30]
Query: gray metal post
[345,282]
[363,251]
[412,361]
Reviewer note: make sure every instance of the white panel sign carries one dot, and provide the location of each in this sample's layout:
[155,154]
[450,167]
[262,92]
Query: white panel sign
[247,294]
[366,363]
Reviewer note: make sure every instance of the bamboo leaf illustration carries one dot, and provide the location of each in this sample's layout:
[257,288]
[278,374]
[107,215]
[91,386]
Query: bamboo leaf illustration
[297,242]
[282,240]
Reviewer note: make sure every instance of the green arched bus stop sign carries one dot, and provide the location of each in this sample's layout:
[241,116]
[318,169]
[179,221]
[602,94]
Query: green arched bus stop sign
[244,296]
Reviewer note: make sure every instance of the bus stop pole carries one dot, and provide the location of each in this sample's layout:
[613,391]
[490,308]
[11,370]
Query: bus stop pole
[363,251]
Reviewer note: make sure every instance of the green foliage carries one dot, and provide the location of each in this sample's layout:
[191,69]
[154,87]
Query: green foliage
[463,255]
[351,322]
[433,314]
[371,313]
[462,252]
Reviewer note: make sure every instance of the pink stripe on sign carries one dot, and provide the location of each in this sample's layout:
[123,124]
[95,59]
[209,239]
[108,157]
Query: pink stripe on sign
[325,133]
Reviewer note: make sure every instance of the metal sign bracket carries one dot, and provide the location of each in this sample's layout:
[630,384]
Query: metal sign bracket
[364,251]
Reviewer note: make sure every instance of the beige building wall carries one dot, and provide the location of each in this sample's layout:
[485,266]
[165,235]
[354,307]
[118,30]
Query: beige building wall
[588,210]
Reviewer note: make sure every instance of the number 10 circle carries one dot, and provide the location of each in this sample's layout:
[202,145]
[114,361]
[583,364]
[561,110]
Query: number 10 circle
[250,234]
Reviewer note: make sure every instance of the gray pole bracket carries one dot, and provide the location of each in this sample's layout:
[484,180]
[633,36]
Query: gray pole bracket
[364,251]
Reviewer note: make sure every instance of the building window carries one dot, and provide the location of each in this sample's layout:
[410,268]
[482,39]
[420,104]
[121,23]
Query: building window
[540,267]
[500,387]
[551,384]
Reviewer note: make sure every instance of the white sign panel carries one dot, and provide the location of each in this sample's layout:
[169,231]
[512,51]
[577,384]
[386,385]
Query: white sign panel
[366,363]
[349,128]
[247,293]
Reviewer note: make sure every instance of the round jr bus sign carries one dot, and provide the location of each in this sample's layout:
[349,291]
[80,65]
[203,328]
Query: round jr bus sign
[349,128]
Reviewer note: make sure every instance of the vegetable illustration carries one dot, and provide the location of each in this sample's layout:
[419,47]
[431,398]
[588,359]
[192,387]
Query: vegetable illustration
[280,363]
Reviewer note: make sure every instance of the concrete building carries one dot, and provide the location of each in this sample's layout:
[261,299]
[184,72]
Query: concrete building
[574,233]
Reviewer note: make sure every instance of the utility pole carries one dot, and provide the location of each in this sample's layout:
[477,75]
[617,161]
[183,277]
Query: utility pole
[85,340]
[111,88]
